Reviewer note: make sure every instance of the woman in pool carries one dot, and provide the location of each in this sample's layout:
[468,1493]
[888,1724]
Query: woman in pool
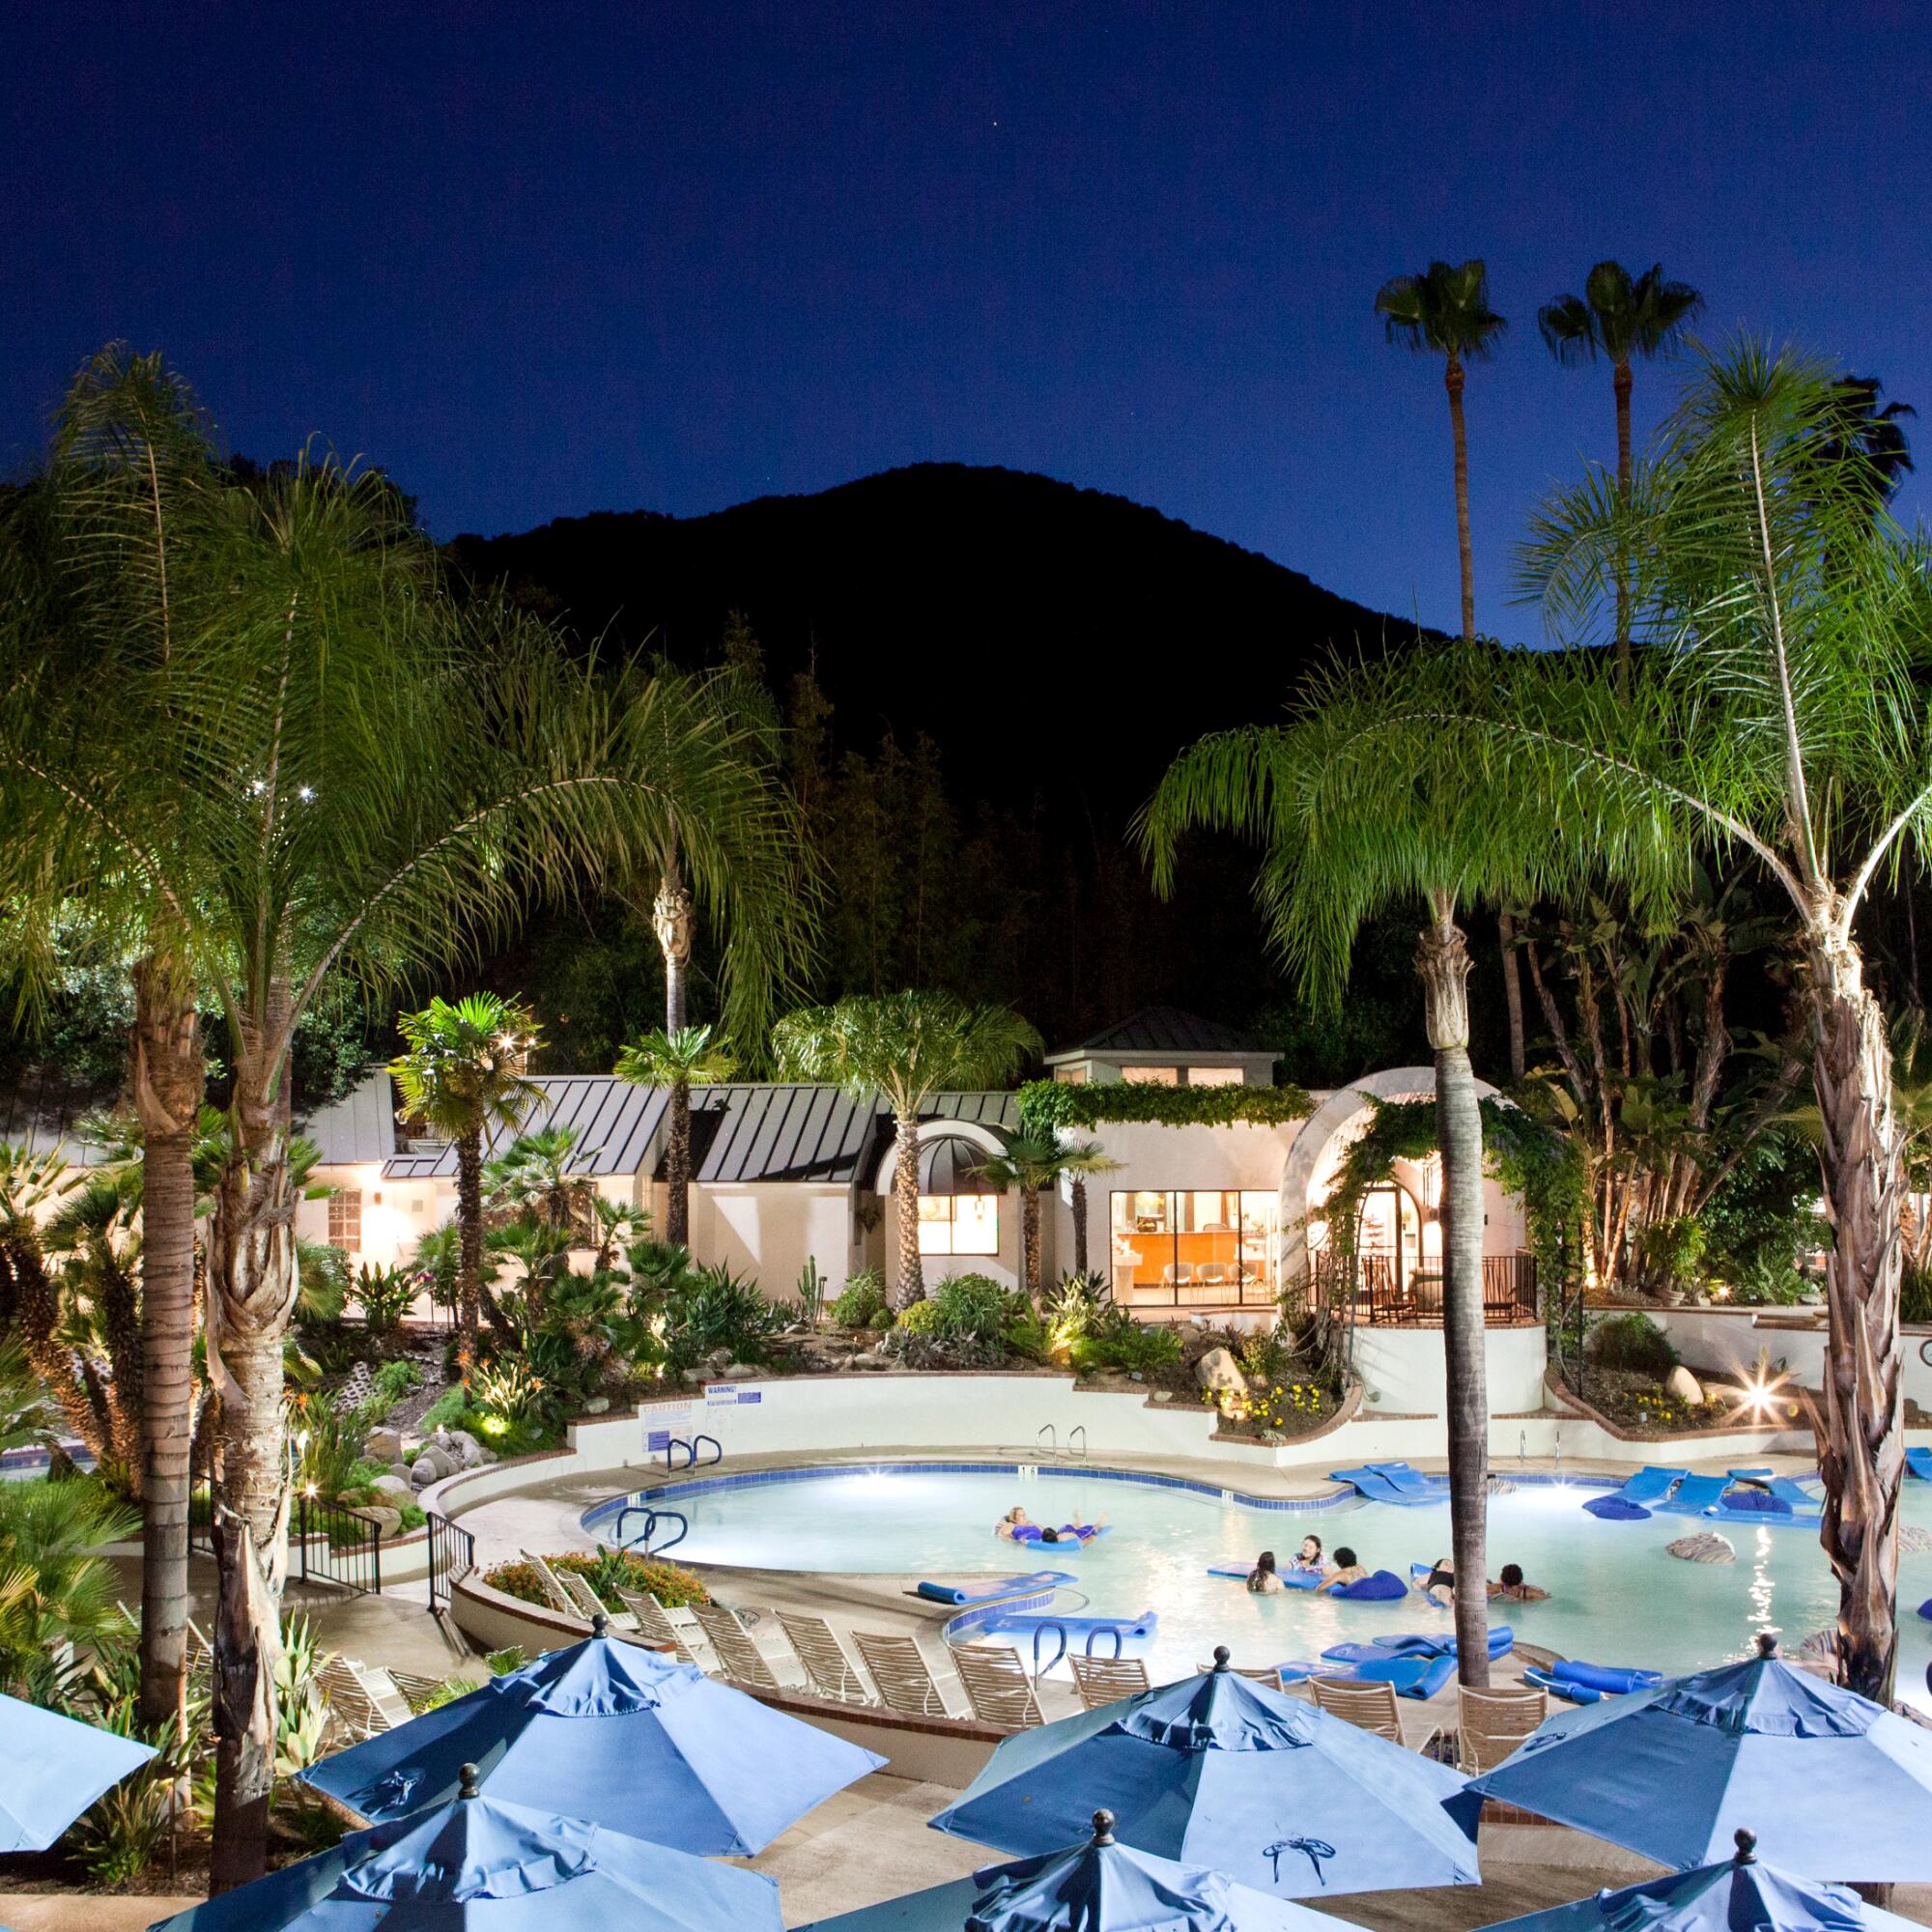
[1264,1580]
[1439,1585]
[1512,1589]
[1010,1525]
[1309,1556]
[1347,1571]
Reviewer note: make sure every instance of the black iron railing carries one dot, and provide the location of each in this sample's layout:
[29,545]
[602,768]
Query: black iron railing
[1372,1289]
[453,1555]
[329,1543]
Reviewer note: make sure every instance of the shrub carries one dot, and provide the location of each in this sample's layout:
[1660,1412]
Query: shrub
[1124,1345]
[971,1308]
[1046,1104]
[862,1300]
[1075,1307]
[605,1571]
[919,1318]
[1632,1342]
[706,1309]
[398,1378]
[1671,1251]
[1914,1296]
[384,1294]
[511,1390]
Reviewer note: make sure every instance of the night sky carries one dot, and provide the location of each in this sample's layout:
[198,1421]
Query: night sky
[539,261]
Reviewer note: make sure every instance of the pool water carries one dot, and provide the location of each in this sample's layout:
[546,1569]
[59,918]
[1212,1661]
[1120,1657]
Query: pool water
[1616,1596]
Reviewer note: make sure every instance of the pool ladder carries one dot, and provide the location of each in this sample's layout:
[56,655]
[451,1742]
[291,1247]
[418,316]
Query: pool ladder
[1059,1630]
[1050,1436]
[652,1519]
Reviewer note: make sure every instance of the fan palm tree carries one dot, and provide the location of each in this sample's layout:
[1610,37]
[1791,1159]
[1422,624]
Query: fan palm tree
[1782,722]
[99,559]
[462,1074]
[904,1047]
[1031,1164]
[680,1058]
[1445,311]
[1347,830]
[1619,316]
[1870,438]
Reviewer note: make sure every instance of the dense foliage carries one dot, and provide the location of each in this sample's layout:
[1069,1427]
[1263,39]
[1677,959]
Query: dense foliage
[1047,1105]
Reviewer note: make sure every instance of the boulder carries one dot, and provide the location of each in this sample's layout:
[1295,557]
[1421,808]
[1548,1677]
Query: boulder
[1218,1372]
[388,1520]
[718,1364]
[740,1372]
[432,1465]
[598,1405]
[393,1485]
[691,1378]
[1163,1395]
[401,1471]
[1705,1547]
[385,1445]
[465,1447]
[1681,1385]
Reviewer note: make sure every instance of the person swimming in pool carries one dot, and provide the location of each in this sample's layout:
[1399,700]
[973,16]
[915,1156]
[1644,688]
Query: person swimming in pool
[1075,1531]
[1264,1580]
[1347,1571]
[1439,1585]
[1010,1525]
[1509,1588]
[1309,1556]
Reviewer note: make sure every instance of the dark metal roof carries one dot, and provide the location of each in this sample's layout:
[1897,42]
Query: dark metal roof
[358,1127]
[952,1164]
[613,1120]
[1167,1030]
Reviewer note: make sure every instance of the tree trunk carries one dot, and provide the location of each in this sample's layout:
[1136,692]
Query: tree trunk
[1030,1241]
[1620,384]
[1442,961]
[470,1249]
[905,1193]
[1452,381]
[1512,996]
[677,1166]
[168,1078]
[1079,1191]
[252,1288]
[1862,1454]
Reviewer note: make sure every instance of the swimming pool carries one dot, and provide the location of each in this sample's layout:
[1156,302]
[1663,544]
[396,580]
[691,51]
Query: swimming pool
[1616,1596]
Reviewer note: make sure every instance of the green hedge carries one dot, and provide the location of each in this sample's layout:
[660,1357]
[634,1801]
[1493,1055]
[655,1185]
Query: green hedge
[1046,1104]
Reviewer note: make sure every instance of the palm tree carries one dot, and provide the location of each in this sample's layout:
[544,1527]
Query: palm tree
[1782,723]
[905,1047]
[680,1058]
[99,560]
[540,1172]
[1031,1164]
[462,1074]
[55,1591]
[1446,310]
[1619,316]
[1870,438]
[1349,830]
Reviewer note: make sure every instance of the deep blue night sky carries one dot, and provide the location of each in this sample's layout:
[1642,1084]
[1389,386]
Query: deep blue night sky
[543,261]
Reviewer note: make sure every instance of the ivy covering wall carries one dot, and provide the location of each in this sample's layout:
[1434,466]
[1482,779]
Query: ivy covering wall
[1046,1104]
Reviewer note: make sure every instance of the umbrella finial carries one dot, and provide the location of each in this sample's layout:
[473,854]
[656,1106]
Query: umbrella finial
[1747,1842]
[467,1785]
[1103,1827]
[600,1625]
[1767,1644]
[1221,1656]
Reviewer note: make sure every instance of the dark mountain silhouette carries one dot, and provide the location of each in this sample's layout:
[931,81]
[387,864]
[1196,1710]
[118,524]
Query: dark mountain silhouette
[1004,613]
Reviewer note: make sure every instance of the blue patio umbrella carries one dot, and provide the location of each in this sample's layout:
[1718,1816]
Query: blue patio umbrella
[1674,1772]
[616,1734]
[1217,1771]
[1097,1887]
[51,1769]
[1738,1893]
[484,1866]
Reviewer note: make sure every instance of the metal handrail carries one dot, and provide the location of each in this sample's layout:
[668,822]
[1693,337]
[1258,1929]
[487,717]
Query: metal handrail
[1051,1436]
[1110,1630]
[652,1517]
[674,1443]
[1079,1429]
[1039,1630]
[717,1451]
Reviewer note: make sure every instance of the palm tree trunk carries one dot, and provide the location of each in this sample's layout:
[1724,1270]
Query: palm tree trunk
[677,1166]
[1512,996]
[1620,384]
[253,1284]
[1862,1454]
[905,1192]
[1442,961]
[1079,1224]
[169,1077]
[1030,1241]
[1452,381]
[469,1248]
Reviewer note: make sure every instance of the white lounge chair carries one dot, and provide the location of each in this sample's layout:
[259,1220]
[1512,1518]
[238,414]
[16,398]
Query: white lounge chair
[551,1584]
[586,1602]
[654,1625]
[828,1671]
[1489,1724]
[900,1670]
[1256,1673]
[997,1685]
[1373,1707]
[1106,1680]
[742,1659]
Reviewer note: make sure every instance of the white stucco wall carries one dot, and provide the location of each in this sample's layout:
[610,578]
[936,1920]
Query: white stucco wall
[1731,1339]
[1404,1370]
[768,1228]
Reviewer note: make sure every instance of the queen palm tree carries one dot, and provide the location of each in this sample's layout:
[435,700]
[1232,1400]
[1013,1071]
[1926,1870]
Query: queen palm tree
[1619,316]
[904,1047]
[462,1074]
[1349,830]
[681,1059]
[99,559]
[1031,1164]
[1445,311]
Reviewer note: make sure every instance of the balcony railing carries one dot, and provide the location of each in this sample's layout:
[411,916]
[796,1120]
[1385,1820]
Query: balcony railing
[1372,1289]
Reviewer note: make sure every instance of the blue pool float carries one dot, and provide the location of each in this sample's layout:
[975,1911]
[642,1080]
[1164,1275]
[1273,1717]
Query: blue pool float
[1919,1462]
[1408,1676]
[1291,1579]
[1069,1542]
[1024,1623]
[1502,1641]
[1617,1509]
[1384,1587]
[1578,1683]
[994,1588]
[1925,1611]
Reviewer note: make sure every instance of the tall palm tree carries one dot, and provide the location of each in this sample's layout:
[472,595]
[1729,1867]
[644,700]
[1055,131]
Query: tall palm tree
[100,559]
[1619,316]
[1030,1164]
[1349,830]
[1782,723]
[905,1047]
[1445,311]
[681,1058]
[1870,438]
[462,1074]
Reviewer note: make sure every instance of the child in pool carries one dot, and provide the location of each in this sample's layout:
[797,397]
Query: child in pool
[1511,1588]
[1263,1580]
[1075,1531]
[1347,1571]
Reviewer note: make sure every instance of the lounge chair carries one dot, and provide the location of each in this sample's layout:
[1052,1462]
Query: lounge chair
[997,1685]
[744,1662]
[1106,1680]
[828,1671]
[653,1625]
[551,1583]
[899,1667]
[588,1604]
[363,1698]
[1489,1724]
[1373,1707]
[1258,1673]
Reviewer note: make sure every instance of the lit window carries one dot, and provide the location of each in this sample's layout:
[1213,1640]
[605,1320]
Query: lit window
[1213,1076]
[959,1224]
[345,1220]
[1071,1076]
[1152,1076]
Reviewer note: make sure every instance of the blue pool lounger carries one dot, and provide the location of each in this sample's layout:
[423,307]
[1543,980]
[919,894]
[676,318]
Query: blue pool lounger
[993,1588]
[1639,1496]
[1375,1487]
[1291,1579]
[1580,1683]
[1919,1462]
[1696,1495]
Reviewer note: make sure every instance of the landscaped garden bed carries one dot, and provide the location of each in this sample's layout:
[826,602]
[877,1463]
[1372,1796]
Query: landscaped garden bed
[605,1571]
